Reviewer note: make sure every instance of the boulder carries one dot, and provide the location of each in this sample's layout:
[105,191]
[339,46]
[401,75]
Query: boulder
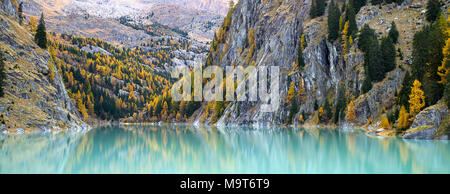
[427,122]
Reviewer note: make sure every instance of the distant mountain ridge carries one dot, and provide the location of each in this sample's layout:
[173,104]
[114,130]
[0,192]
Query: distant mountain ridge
[201,18]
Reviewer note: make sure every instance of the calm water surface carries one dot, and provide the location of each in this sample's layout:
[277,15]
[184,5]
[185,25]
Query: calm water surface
[188,149]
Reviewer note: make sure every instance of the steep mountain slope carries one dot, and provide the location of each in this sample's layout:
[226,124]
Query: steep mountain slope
[329,75]
[198,20]
[32,99]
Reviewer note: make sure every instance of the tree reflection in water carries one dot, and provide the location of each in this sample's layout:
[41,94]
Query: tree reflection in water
[155,148]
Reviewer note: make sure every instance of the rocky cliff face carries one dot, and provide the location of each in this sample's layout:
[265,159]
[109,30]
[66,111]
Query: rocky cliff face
[8,7]
[32,100]
[278,26]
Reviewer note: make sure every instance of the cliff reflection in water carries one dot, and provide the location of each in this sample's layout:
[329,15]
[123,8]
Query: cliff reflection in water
[187,149]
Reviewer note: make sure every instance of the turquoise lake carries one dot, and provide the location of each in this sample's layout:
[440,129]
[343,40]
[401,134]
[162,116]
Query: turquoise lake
[187,149]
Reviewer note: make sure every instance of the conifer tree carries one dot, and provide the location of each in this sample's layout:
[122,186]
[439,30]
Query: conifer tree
[300,60]
[437,37]
[421,53]
[388,54]
[333,21]
[20,12]
[403,96]
[416,99]
[291,92]
[433,10]
[403,122]
[376,2]
[293,110]
[317,8]
[32,24]
[165,112]
[41,35]
[345,32]
[303,42]
[393,33]
[385,123]
[82,107]
[351,18]
[351,116]
[367,85]
[302,91]
[444,69]
[357,4]
[372,62]
[301,119]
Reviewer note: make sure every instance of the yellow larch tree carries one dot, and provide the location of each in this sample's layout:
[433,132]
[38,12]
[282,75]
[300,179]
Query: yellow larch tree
[291,92]
[403,122]
[301,119]
[32,24]
[303,41]
[302,91]
[416,99]
[385,123]
[51,69]
[165,112]
[345,38]
[351,115]
[321,112]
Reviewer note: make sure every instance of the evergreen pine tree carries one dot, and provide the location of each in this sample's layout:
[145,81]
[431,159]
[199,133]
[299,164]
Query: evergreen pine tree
[300,60]
[293,110]
[333,21]
[433,10]
[387,54]
[357,4]
[351,18]
[320,7]
[376,2]
[41,35]
[20,12]
[433,90]
[317,8]
[373,63]
[393,33]
[313,9]
[367,85]
[421,54]
[403,96]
